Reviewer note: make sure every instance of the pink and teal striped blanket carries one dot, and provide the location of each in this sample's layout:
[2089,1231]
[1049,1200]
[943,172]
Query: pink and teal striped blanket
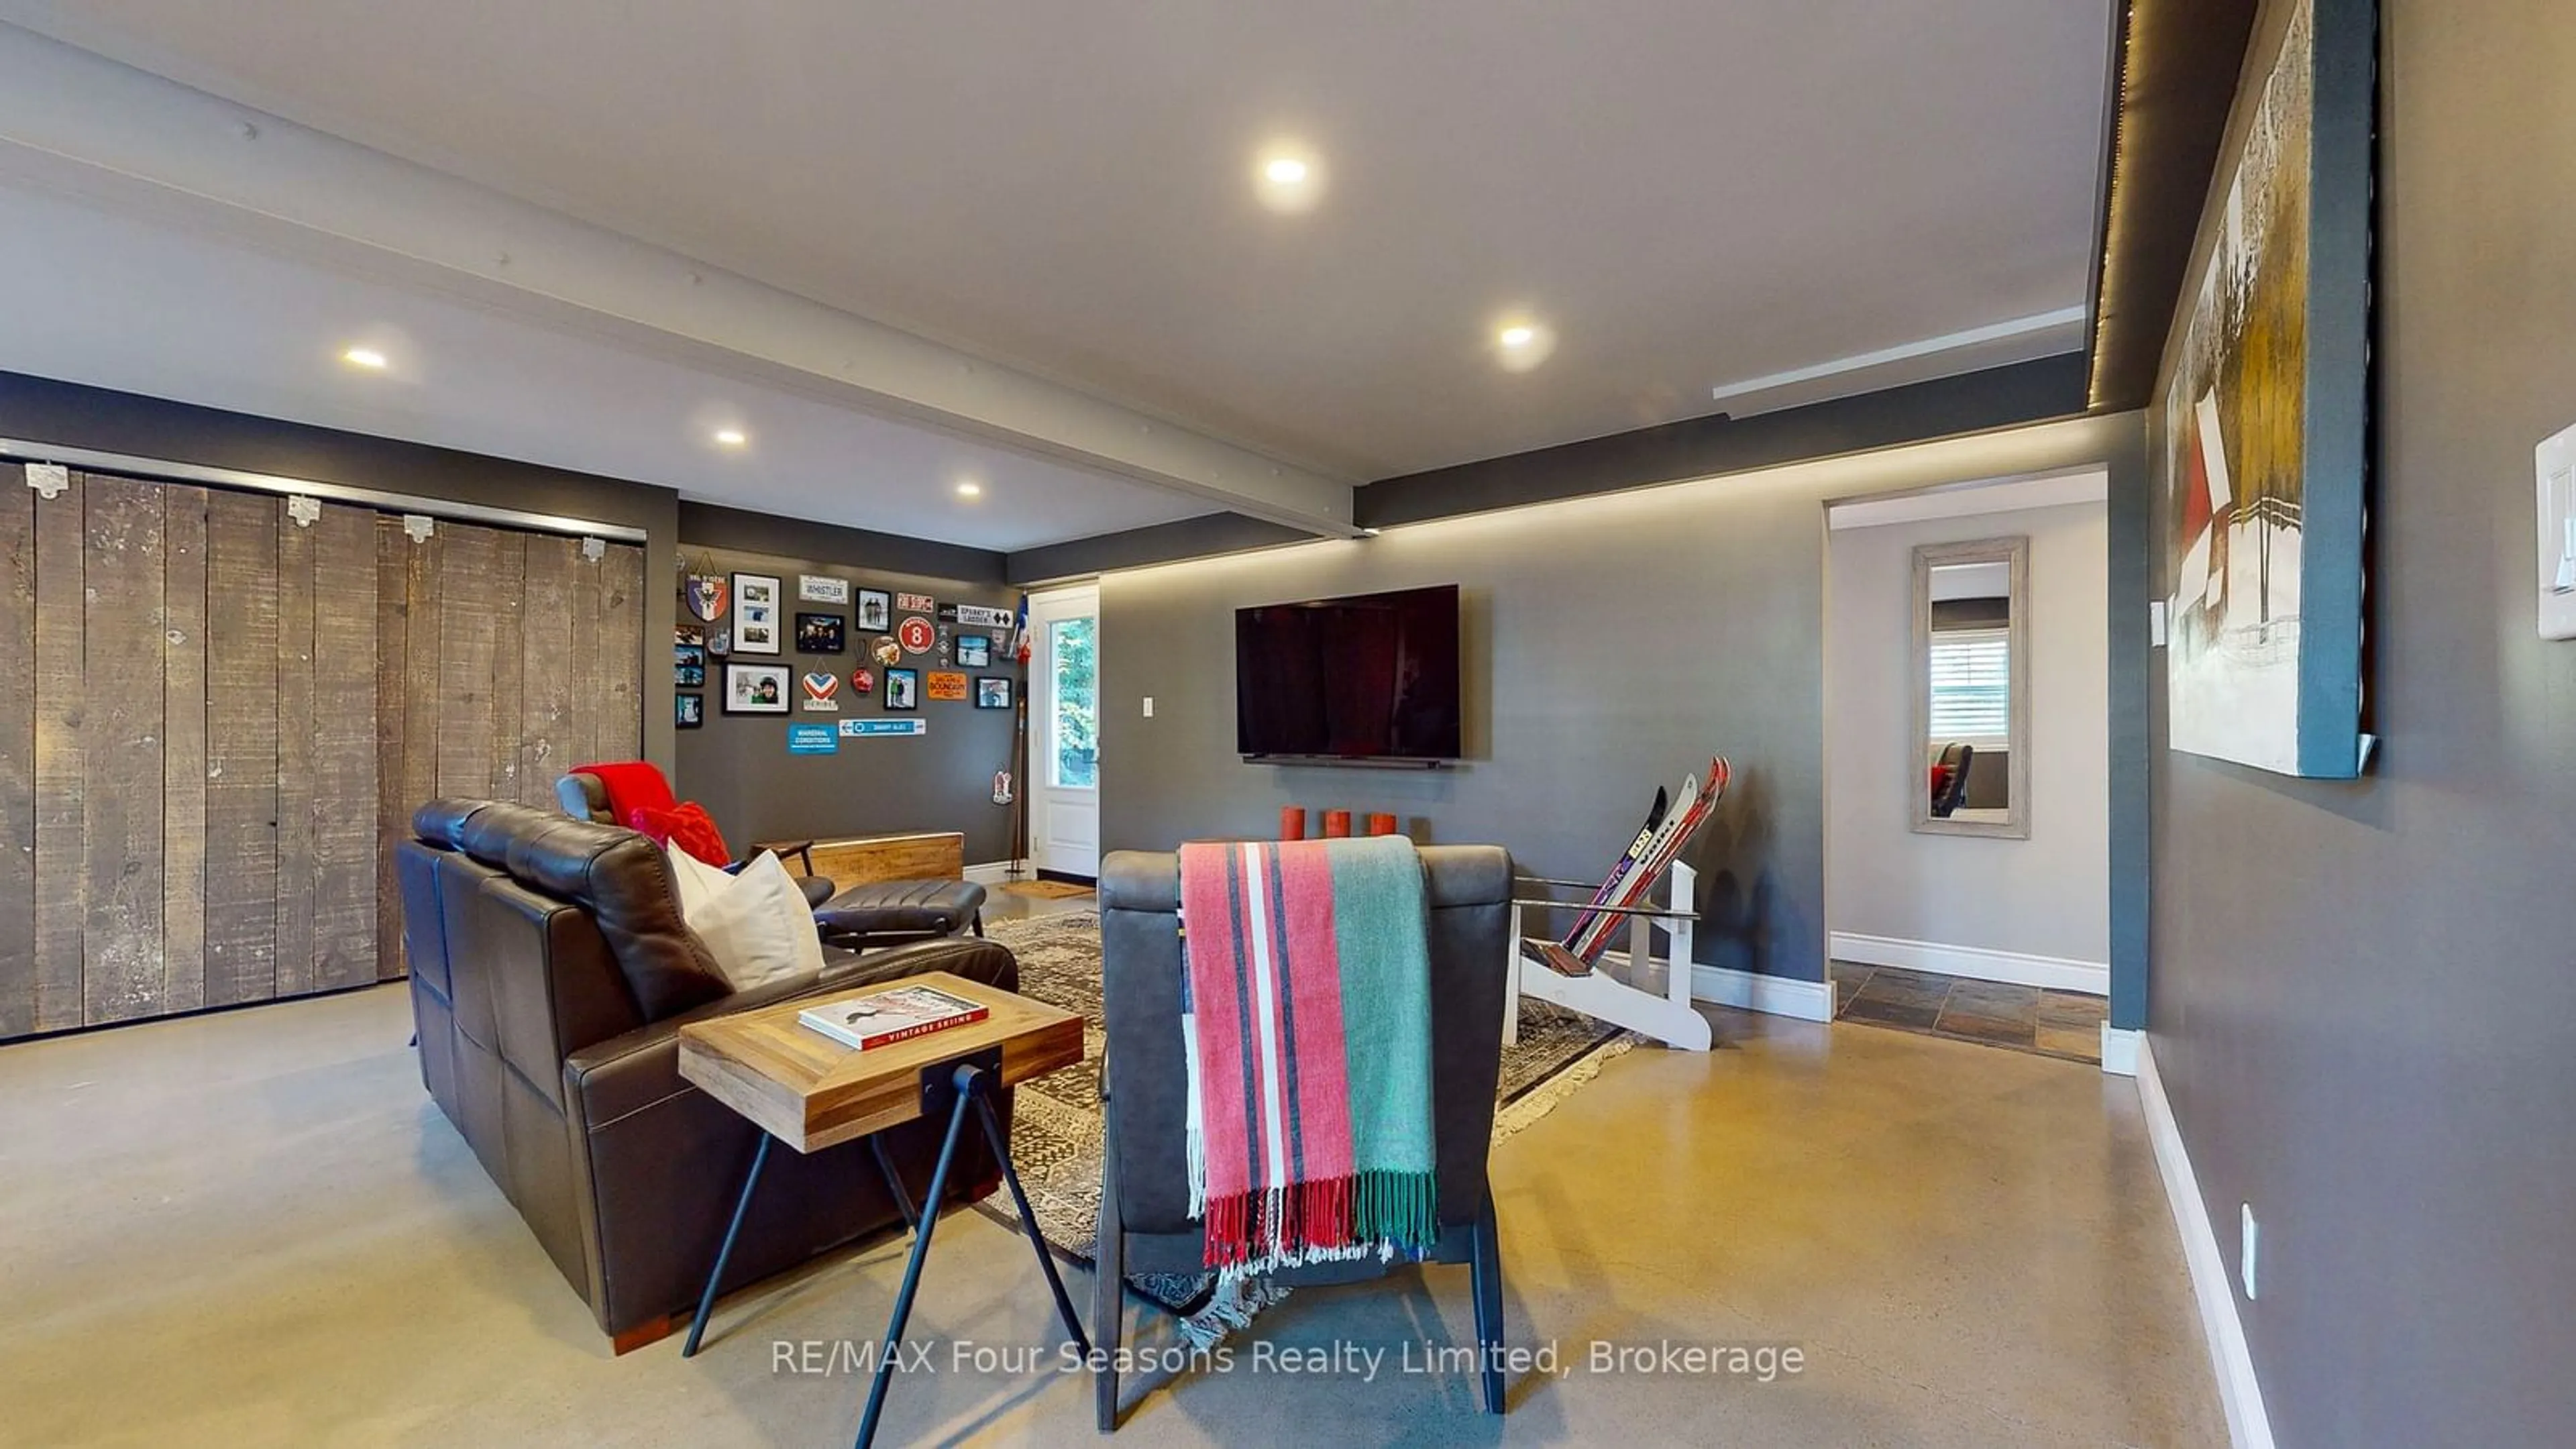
[1308,1034]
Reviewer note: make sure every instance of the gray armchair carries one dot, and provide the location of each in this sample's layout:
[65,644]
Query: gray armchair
[1145,1226]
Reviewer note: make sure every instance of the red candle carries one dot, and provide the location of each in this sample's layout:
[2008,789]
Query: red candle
[1337,824]
[1292,822]
[1381,825]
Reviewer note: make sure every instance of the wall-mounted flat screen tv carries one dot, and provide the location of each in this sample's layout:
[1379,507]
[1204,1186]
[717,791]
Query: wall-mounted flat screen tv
[1373,676]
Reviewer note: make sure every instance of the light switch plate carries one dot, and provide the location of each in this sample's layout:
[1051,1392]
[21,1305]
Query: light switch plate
[2554,463]
[1149,706]
[2156,624]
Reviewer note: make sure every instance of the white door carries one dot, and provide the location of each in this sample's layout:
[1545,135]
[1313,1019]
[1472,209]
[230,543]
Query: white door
[1064,731]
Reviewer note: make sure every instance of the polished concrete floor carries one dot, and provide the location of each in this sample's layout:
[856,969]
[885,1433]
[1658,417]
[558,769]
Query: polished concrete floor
[252,1228]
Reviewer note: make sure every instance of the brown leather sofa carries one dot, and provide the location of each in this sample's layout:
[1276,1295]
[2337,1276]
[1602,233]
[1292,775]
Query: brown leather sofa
[550,974]
[873,913]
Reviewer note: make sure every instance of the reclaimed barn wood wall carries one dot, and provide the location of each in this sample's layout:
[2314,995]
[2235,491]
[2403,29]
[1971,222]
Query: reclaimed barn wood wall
[215,721]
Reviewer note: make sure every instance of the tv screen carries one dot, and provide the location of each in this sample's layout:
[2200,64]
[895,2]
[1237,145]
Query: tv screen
[1371,676]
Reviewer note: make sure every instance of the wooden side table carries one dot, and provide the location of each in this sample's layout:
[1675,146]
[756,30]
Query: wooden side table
[802,1088]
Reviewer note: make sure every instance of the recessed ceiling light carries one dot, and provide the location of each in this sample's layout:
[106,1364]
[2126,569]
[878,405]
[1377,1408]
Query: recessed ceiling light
[1287,177]
[731,437]
[1522,342]
[366,357]
[970,489]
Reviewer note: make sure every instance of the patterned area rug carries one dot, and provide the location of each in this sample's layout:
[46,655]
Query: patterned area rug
[1056,1123]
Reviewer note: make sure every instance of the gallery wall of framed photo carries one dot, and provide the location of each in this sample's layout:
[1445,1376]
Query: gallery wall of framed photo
[918,673]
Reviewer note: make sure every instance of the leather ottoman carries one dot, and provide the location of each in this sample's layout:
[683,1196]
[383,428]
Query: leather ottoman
[887,911]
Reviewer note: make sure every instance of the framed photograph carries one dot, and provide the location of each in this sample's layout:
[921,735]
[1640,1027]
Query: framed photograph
[757,689]
[974,651]
[755,615]
[876,611]
[689,666]
[993,691]
[819,634]
[689,711]
[687,633]
[903,689]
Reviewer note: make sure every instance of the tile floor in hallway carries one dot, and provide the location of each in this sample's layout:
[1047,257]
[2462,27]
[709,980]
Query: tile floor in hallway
[253,1229]
[1991,1013]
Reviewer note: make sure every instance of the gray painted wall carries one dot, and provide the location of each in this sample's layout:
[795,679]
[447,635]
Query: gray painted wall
[2364,992]
[1612,643]
[2048,895]
[738,765]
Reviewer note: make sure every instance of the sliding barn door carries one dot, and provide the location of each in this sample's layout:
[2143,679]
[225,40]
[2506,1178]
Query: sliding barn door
[214,720]
[514,657]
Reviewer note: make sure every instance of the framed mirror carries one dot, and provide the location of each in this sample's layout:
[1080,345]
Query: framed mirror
[1969,753]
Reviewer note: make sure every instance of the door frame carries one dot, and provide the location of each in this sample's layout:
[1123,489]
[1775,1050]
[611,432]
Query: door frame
[1072,601]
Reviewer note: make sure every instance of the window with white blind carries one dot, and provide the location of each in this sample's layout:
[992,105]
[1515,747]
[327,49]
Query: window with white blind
[1972,686]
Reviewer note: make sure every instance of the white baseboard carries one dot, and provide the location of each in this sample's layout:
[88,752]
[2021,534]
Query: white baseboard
[2057,973]
[2120,1050]
[1751,991]
[1744,990]
[2238,1392]
[990,873]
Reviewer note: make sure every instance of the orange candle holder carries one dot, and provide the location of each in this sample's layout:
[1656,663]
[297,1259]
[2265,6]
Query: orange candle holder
[1337,824]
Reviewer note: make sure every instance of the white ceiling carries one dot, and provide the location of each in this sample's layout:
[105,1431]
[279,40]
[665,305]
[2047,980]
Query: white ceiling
[213,323]
[1690,194]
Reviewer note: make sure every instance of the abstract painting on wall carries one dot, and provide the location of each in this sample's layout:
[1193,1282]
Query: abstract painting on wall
[2264,420]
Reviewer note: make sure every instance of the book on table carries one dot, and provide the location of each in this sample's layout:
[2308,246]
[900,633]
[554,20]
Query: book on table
[884,1017]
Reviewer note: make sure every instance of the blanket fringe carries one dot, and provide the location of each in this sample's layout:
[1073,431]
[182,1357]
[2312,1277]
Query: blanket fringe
[1378,1213]
[1236,1300]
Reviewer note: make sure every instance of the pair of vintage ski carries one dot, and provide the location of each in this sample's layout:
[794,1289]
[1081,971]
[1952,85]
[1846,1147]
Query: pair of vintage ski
[1657,844]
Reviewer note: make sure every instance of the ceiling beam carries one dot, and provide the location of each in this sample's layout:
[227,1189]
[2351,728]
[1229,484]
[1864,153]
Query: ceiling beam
[123,139]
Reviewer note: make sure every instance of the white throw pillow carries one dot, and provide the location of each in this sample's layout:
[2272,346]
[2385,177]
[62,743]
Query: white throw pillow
[755,923]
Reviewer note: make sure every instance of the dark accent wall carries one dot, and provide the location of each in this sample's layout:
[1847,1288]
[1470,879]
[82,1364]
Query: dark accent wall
[1611,645]
[2001,397]
[708,525]
[2130,523]
[42,410]
[738,765]
[1200,537]
[2365,991]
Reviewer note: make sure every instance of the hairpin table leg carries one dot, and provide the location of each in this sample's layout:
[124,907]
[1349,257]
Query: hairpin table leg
[970,1084]
[715,1275]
